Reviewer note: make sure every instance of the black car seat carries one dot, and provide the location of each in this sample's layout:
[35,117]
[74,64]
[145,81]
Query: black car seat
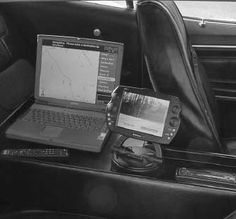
[16,86]
[174,69]
[16,73]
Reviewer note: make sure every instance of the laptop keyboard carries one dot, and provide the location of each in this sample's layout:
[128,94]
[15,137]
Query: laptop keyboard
[65,120]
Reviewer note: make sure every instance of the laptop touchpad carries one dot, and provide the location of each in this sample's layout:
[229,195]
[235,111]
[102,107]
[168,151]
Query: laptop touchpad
[51,131]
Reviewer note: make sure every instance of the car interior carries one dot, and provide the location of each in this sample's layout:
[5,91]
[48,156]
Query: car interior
[163,52]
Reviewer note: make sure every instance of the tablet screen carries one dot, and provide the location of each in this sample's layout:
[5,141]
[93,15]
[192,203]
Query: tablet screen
[143,113]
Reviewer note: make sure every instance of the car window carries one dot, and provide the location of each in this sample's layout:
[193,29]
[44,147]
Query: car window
[208,10]
[118,4]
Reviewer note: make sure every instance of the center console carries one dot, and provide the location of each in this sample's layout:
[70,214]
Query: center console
[88,183]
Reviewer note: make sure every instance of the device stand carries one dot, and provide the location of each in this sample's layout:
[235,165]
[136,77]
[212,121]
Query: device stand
[141,160]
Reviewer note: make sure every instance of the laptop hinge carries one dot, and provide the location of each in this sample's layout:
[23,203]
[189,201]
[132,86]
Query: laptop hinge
[102,110]
[43,102]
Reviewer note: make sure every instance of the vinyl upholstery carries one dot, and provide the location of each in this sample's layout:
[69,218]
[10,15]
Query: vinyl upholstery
[32,185]
[16,86]
[169,58]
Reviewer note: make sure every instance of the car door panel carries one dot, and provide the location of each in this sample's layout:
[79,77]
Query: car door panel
[215,44]
[80,19]
[211,32]
[220,65]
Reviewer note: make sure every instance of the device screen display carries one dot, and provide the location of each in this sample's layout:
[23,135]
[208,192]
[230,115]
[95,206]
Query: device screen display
[78,71]
[143,113]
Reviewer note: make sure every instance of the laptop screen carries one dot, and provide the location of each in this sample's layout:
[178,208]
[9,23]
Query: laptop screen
[75,70]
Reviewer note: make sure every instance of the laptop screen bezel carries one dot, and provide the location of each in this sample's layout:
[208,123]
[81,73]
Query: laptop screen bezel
[69,103]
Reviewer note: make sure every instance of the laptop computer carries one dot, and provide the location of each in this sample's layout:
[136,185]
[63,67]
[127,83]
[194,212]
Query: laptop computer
[74,81]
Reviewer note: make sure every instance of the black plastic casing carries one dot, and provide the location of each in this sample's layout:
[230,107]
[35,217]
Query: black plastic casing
[172,121]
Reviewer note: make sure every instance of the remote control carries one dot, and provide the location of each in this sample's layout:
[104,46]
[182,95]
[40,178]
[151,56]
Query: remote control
[54,154]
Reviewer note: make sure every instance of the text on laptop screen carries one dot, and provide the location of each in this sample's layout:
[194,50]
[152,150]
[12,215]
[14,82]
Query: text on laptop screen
[78,71]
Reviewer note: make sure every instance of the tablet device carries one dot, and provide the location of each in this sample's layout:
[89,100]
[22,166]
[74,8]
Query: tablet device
[143,114]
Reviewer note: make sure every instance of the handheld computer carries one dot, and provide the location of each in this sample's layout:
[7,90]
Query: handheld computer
[145,115]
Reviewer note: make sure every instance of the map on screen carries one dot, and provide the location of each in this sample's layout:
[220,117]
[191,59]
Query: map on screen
[69,74]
